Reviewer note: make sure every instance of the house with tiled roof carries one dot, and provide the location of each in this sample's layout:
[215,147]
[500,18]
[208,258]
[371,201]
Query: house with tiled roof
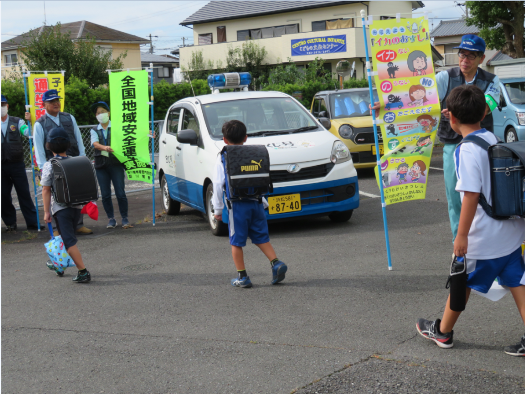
[296,30]
[447,35]
[106,38]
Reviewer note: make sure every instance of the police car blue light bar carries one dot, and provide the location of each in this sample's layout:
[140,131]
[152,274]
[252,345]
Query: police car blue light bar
[229,81]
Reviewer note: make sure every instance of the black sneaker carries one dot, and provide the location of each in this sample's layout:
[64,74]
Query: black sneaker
[10,228]
[82,278]
[430,330]
[52,267]
[516,350]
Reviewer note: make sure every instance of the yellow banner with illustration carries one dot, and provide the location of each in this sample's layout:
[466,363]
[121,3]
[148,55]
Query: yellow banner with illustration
[410,107]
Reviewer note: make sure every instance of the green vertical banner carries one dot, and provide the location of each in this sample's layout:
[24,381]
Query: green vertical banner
[130,122]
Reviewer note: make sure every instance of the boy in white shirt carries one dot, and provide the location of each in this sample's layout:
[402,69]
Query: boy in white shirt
[492,248]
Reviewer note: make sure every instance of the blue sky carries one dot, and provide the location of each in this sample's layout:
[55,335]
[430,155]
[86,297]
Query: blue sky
[141,18]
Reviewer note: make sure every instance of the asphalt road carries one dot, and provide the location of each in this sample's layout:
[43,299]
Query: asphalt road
[161,317]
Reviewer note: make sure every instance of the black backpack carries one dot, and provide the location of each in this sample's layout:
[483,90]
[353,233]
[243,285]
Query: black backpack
[247,172]
[74,180]
[507,178]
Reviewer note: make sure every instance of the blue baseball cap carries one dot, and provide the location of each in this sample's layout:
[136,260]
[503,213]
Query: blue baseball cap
[99,104]
[50,95]
[57,133]
[4,99]
[472,42]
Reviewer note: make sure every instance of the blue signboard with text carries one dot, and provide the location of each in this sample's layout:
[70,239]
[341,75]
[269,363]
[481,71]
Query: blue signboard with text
[319,45]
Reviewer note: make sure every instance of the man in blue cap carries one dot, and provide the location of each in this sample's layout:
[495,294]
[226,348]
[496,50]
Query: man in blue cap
[51,119]
[471,53]
[14,171]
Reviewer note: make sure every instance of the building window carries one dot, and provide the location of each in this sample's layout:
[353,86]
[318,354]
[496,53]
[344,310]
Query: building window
[332,24]
[11,60]
[267,32]
[205,39]
[385,18]
[221,33]
[163,72]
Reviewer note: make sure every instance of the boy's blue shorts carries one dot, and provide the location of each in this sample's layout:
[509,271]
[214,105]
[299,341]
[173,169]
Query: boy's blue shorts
[66,220]
[508,269]
[247,219]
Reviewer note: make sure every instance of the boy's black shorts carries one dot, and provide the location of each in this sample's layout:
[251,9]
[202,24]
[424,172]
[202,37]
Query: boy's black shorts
[67,220]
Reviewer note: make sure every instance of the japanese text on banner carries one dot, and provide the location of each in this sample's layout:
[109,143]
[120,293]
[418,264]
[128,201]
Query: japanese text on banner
[129,122]
[410,107]
[37,85]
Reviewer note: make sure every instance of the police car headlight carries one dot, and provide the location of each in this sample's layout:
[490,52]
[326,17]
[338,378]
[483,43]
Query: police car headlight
[345,131]
[340,153]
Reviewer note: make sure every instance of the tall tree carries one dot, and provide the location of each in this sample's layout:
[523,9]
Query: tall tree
[53,50]
[500,24]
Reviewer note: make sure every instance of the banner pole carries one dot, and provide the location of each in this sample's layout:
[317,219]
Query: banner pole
[31,152]
[152,143]
[378,156]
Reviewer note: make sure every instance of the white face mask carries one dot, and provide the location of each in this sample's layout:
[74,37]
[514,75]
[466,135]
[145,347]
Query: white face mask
[103,118]
[4,111]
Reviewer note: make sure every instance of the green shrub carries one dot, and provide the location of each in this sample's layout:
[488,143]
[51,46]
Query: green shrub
[13,90]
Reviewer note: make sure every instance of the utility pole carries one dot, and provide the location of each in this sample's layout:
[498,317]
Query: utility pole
[151,43]
[183,38]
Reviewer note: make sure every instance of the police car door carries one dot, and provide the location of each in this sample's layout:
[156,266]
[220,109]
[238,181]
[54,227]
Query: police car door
[168,150]
[190,157]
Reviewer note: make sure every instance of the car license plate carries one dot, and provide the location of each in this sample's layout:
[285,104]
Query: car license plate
[381,151]
[285,203]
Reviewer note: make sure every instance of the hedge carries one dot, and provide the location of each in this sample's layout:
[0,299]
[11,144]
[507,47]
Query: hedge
[79,96]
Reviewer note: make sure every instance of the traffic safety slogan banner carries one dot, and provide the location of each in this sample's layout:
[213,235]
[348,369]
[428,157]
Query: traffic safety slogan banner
[128,93]
[410,107]
[37,85]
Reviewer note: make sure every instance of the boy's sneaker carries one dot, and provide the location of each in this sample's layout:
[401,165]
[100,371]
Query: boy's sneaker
[516,350]
[82,278]
[112,223]
[125,223]
[243,282]
[51,266]
[430,330]
[278,271]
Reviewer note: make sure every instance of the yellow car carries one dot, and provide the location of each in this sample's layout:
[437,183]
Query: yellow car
[350,121]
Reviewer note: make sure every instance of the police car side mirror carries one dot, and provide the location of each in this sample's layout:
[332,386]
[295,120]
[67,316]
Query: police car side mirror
[326,123]
[188,136]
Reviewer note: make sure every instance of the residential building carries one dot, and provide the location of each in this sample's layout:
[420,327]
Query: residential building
[163,66]
[505,66]
[447,35]
[282,26]
[115,41]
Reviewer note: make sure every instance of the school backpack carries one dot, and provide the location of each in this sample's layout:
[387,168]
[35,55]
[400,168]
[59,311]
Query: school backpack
[247,171]
[507,178]
[74,180]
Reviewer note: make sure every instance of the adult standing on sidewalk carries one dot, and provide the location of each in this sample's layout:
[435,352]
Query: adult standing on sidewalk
[14,171]
[51,119]
[471,53]
[109,169]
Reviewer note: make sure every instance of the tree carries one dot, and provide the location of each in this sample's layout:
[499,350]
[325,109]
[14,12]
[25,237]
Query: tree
[249,57]
[500,24]
[197,67]
[53,50]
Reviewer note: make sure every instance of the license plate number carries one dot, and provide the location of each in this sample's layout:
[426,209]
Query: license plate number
[285,203]
[381,151]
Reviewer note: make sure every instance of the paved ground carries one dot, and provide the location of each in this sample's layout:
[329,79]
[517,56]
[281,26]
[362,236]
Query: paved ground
[161,317]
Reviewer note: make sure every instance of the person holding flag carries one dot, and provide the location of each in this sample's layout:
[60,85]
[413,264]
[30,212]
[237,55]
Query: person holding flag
[51,119]
[109,169]
[14,171]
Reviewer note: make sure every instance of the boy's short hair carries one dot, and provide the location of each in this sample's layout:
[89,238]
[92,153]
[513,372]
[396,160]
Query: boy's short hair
[234,131]
[58,145]
[467,104]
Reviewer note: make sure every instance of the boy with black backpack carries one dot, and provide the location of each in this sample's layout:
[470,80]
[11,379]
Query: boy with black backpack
[245,207]
[66,216]
[491,247]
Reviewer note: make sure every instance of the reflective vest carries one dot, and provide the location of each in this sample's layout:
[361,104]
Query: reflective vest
[67,124]
[12,148]
[455,79]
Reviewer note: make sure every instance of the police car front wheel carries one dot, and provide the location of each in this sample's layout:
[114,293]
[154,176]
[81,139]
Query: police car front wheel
[217,227]
[172,207]
[340,217]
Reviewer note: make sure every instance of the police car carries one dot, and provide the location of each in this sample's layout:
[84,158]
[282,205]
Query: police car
[311,170]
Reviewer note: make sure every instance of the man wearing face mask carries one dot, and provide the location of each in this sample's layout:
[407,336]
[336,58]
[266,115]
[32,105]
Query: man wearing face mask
[109,169]
[51,119]
[14,171]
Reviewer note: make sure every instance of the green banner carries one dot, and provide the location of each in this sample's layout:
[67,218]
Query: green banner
[130,122]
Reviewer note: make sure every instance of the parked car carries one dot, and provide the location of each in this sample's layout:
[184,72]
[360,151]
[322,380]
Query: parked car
[307,162]
[509,116]
[350,120]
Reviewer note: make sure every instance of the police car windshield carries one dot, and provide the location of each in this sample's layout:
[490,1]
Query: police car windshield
[272,115]
[350,104]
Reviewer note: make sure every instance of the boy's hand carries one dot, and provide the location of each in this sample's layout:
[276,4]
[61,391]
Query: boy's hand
[461,245]
[47,217]
[445,113]
[218,217]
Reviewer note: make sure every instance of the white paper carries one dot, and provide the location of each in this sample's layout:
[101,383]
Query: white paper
[495,293]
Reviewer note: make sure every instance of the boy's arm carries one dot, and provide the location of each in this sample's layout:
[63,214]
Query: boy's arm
[46,196]
[218,186]
[468,210]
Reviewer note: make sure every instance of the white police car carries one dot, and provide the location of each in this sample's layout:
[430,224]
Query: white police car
[311,170]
